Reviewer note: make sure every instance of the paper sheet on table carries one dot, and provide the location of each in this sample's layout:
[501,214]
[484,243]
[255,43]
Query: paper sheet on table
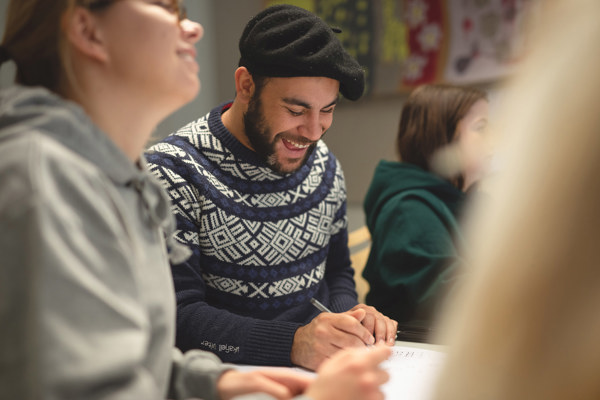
[413,373]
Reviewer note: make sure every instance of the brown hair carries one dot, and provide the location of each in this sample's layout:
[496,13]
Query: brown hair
[429,119]
[33,40]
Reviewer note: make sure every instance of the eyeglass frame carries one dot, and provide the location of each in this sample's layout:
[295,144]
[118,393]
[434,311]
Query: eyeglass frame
[177,7]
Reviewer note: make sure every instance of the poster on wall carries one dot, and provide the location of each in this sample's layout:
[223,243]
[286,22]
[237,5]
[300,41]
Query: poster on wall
[405,43]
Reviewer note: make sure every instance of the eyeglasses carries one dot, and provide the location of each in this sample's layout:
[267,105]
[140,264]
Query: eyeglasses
[175,7]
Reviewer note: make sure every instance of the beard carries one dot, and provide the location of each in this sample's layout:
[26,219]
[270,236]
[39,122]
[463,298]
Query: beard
[259,135]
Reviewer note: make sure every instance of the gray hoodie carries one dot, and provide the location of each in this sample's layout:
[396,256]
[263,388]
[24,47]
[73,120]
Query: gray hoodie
[87,307]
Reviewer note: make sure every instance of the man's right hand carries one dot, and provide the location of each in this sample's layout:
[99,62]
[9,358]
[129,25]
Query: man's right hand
[326,334]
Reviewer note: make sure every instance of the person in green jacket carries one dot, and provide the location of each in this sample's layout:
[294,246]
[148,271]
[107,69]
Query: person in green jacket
[413,206]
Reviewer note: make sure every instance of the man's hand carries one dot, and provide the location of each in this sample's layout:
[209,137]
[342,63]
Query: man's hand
[352,374]
[383,328]
[280,383]
[326,334]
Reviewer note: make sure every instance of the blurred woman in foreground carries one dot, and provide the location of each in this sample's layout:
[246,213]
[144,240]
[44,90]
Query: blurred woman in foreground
[527,324]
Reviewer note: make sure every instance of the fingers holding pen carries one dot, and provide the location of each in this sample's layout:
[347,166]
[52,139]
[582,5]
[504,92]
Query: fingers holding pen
[348,327]
[326,334]
[361,313]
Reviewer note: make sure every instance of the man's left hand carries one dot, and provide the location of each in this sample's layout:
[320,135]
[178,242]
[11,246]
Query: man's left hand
[383,328]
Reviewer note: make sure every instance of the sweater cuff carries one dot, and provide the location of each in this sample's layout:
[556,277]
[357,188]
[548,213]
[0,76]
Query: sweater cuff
[195,374]
[270,343]
[342,303]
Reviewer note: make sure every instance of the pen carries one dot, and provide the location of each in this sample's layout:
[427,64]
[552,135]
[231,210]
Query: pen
[414,333]
[319,306]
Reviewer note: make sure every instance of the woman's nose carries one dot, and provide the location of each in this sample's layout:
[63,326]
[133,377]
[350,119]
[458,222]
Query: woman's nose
[193,31]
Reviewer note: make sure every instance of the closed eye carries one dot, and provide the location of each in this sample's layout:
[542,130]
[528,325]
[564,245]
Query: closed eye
[481,126]
[295,113]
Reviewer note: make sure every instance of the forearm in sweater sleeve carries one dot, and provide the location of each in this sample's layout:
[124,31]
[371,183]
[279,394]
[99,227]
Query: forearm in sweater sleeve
[234,338]
[339,274]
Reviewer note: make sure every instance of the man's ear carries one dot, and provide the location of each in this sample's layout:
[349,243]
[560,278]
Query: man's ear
[244,84]
[84,34]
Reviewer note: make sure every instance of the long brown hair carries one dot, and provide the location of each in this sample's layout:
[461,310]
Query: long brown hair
[429,119]
[33,39]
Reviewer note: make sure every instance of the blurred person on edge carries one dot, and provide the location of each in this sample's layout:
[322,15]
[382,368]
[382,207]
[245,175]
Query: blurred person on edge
[525,324]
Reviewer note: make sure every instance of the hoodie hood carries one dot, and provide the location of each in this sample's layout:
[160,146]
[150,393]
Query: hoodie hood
[25,110]
[37,109]
[392,178]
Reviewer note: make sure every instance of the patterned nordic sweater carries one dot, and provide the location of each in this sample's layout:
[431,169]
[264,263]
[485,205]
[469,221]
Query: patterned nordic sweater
[263,244]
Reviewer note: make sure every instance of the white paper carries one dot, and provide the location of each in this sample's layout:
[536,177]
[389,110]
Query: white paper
[413,373]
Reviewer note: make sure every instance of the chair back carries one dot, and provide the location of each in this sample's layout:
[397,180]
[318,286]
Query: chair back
[359,242]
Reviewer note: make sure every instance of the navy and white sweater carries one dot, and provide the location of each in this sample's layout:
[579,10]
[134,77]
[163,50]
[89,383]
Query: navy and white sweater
[263,244]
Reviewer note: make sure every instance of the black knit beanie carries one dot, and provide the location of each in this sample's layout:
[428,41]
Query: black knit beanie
[288,41]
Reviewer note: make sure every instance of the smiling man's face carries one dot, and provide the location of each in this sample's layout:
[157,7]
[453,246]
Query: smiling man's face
[285,121]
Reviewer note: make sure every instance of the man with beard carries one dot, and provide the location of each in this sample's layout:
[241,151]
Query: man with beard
[261,202]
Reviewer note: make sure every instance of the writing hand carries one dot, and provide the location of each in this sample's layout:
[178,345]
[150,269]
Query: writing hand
[326,334]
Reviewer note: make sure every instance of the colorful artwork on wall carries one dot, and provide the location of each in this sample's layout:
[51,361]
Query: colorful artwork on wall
[405,43]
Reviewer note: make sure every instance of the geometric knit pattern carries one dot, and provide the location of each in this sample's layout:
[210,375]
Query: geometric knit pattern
[261,241]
